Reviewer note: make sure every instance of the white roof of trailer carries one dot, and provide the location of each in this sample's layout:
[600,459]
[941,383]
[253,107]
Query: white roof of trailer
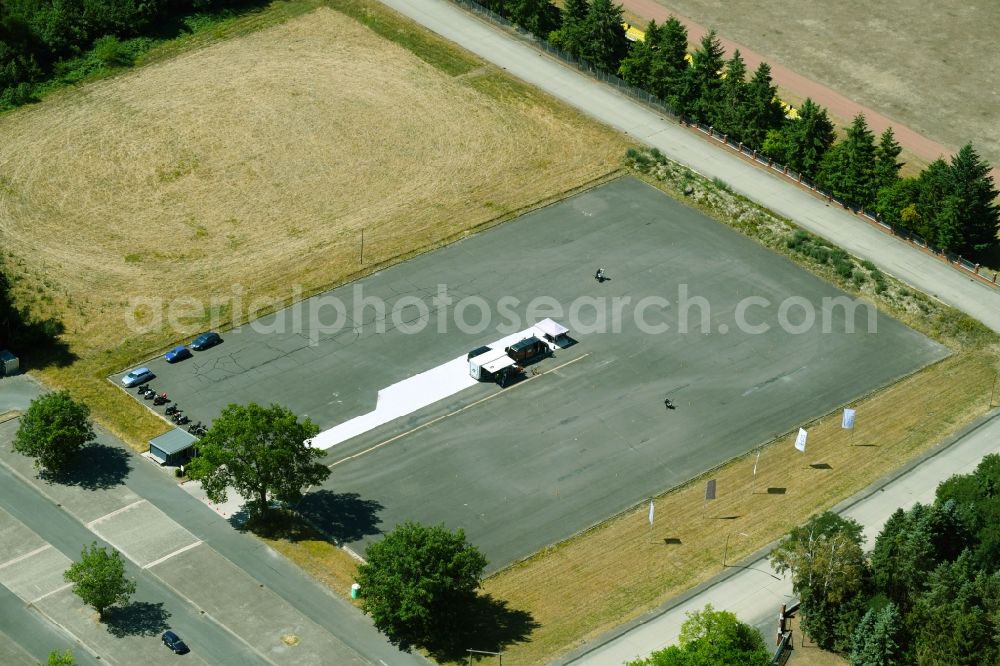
[488,357]
[498,364]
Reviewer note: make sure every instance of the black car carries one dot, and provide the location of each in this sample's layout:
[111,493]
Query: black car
[476,352]
[206,340]
[174,642]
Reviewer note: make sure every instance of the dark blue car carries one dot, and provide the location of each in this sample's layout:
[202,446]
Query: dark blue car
[177,354]
[206,340]
[174,642]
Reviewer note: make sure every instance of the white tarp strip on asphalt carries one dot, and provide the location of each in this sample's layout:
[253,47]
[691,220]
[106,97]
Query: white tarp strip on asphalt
[410,395]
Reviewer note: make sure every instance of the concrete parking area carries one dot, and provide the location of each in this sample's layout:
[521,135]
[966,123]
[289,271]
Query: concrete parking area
[225,615]
[744,343]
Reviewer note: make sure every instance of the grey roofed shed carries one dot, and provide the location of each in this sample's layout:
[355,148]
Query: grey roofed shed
[172,448]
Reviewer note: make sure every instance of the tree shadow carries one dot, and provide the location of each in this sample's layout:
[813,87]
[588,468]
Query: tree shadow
[36,341]
[139,618]
[484,623]
[97,467]
[343,517]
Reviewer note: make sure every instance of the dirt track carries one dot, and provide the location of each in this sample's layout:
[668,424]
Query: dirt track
[884,86]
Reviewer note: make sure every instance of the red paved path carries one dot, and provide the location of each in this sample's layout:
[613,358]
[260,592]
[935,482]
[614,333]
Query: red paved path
[838,105]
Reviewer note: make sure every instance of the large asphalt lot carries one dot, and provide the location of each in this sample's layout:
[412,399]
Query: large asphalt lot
[543,459]
[605,104]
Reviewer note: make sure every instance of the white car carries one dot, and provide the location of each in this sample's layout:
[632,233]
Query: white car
[137,376]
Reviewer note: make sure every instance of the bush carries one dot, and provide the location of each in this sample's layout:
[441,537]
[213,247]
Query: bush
[111,52]
[845,269]
[797,239]
[722,185]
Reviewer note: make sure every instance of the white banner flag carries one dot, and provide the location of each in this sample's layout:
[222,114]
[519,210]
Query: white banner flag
[848,422]
[755,462]
[650,513]
[800,441]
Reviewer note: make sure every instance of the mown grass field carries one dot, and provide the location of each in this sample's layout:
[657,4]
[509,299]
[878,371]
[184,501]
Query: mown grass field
[249,159]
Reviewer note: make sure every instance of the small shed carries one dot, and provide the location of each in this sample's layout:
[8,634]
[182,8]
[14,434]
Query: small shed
[9,364]
[173,448]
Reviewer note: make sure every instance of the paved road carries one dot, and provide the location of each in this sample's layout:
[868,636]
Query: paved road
[250,554]
[66,534]
[603,103]
[36,636]
[754,594]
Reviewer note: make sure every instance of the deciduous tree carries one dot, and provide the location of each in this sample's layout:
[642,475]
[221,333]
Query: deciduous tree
[99,578]
[712,638]
[57,658]
[259,451]
[829,573]
[53,430]
[418,580]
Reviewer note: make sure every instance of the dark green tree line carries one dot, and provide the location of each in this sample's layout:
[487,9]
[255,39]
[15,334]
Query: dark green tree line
[929,591]
[40,39]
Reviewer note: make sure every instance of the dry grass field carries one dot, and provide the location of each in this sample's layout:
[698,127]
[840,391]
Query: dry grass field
[257,161]
[929,65]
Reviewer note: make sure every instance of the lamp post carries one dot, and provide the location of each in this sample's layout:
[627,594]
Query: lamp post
[996,373]
[725,555]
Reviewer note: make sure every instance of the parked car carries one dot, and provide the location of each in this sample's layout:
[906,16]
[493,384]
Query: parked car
[477,352]
[206,340]
[174,642]
[177,354]
[137,376]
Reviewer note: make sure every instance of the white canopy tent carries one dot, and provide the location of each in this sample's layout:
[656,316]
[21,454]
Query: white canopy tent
[550,330]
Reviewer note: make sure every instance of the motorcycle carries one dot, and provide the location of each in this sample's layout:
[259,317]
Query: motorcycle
[182,420]
[194,427]
[161,399]
[149,394]
[172,409]
[142,388]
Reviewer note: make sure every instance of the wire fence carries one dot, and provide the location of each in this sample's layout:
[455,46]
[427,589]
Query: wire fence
[660,106]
